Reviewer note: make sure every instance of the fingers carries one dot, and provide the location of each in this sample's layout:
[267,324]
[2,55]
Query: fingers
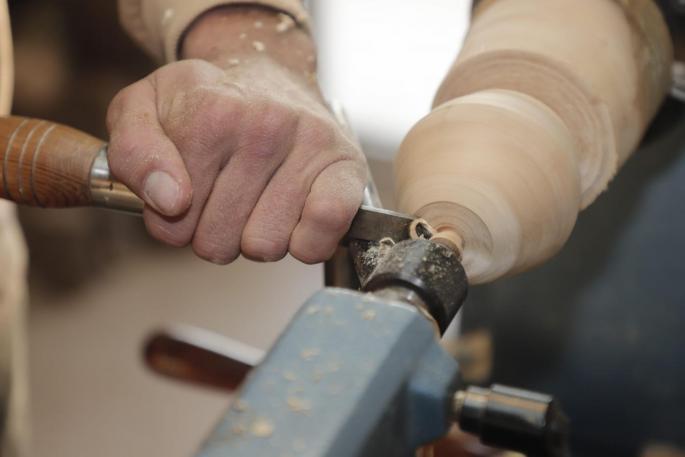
[142,156]
[267,233]
[330,207]
[201,119]
[241,183]
[232,167]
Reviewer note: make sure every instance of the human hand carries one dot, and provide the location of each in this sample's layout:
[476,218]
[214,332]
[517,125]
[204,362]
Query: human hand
[236,158]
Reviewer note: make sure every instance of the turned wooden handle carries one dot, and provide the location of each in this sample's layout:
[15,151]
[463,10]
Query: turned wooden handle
[45,164]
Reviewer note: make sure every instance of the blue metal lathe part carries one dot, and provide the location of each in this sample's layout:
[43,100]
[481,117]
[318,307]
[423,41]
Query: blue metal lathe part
[353,375]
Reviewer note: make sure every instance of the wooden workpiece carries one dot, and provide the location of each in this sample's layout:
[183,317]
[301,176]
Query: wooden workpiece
[546,101]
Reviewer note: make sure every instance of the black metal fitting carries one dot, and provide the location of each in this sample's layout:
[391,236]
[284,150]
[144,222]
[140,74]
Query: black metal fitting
[433,271]
[515,419]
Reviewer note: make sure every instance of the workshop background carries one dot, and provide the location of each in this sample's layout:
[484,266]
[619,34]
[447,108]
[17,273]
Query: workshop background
[600,326]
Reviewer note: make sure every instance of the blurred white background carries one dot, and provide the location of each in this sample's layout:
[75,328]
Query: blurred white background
[384,60]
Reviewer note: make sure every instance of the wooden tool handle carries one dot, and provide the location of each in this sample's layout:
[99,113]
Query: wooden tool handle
[45,164]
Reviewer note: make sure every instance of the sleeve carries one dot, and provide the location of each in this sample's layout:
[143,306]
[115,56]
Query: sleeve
[158,25]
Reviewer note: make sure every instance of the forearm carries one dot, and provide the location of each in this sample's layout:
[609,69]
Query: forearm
[236,35]
[158,25]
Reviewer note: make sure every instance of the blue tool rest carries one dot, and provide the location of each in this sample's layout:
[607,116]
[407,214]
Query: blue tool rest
[352,375]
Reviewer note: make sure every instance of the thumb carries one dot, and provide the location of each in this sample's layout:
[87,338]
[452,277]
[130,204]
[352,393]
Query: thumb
[142,156]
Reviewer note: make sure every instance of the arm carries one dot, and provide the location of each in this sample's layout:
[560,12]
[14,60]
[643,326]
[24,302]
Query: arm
[233,149]
[544,104]
[158,26]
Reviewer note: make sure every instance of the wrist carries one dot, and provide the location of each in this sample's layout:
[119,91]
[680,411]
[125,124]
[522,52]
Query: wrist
[235,35]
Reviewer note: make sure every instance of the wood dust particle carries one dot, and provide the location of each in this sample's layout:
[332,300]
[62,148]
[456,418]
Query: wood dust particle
[313,309]
[240,406]
[262,428]
[286,23]
[369,315]
[289,376]
[167,16]
[318,375]
[298,405]
[242,36]
[239,429]
[308,354]
[258,24]
[259,46]
[299,446]
[234,62]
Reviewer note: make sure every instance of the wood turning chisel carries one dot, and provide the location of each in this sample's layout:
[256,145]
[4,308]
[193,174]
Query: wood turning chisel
[356,373]
[53,166]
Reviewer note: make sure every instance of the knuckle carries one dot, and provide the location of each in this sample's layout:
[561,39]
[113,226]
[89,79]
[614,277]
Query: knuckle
[115,109]
[333,215]
[264,249]
[354,174]
[307,254]
[352,156]
[319,132]
[196,102]
[161,231]
[213,251]
[270,129]
[322,134]
[279,118]
[353,153]
[204,114]
[125,101]
[217,110]
[122,148]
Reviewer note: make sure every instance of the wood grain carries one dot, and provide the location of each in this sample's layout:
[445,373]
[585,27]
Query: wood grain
[546,101]
[45,164]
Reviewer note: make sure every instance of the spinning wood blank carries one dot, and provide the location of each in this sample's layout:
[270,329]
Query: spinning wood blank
[546,101]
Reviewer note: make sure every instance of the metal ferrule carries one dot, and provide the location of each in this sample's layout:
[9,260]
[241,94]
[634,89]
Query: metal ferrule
[519,420]
[106,192]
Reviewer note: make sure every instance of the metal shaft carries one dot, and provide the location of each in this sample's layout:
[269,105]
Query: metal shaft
[516,419]
[106,192]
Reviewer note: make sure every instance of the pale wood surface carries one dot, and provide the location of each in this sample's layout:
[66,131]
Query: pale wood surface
[13,266]
[546,101]
[13,371]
